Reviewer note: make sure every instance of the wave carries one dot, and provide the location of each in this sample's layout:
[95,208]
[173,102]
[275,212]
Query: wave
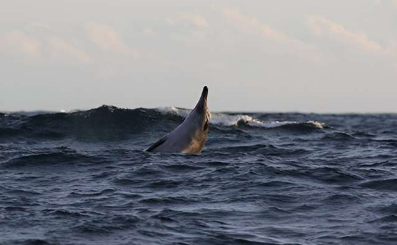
[109,122]
[223,119]
[50,159]
[383,185]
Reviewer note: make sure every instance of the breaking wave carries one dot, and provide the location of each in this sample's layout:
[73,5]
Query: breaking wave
[109,122]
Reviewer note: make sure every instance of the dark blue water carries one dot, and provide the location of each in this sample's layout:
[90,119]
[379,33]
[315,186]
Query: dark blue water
[82,178]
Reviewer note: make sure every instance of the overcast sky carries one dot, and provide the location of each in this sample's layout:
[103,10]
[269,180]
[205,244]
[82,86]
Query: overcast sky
[257,55]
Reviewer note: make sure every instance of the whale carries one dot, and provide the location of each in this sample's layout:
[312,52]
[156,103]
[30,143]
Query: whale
[191,134]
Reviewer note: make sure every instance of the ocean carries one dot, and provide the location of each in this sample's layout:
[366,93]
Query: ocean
[83,177]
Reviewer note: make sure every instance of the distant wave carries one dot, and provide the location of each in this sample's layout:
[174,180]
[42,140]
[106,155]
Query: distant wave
[110,123]
[223,119]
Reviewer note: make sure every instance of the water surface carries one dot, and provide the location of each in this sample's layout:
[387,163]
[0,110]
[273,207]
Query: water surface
[263,178]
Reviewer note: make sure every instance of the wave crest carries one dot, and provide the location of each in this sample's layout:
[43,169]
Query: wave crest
[222,119]
[109,122]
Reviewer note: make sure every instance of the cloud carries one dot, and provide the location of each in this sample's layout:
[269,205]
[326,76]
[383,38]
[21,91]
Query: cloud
[98,48]
[19,43]
[252,26]
[148,32]
[107,39]
[325,28]
[61,50]
[40,49]
[196,19]
[322,27]
[380,2]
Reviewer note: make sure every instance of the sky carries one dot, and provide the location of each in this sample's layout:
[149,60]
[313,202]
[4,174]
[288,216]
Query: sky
[257,55]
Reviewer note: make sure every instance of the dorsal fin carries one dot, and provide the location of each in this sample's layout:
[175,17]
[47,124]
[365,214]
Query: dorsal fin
[157,144]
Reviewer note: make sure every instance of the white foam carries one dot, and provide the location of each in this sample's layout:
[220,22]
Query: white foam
[317,124]
[234,120]
[174,111]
